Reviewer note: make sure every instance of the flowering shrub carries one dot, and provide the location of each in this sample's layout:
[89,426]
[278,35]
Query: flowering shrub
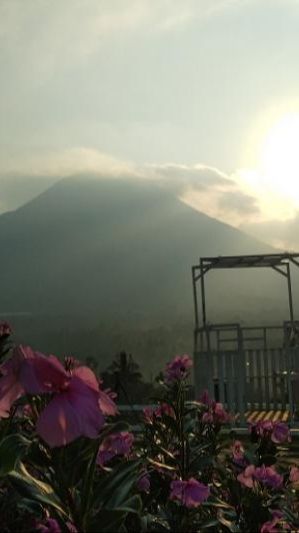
[68,463]
[113,445]
[189,493]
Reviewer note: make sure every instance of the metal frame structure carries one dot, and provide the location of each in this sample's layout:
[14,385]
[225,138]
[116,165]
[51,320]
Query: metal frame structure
[278,262]
[231,361]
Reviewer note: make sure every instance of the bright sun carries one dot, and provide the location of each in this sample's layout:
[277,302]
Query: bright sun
[279,159]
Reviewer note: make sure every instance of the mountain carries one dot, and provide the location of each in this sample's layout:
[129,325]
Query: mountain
[18,190]
[94,253]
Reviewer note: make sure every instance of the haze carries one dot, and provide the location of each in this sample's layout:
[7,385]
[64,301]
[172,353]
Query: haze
[195,88]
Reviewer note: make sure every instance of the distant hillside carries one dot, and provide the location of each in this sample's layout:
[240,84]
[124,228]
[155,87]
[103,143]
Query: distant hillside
[18,190]
[122,250]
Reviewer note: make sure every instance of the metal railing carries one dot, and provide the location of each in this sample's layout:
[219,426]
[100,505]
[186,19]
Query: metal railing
[263,379]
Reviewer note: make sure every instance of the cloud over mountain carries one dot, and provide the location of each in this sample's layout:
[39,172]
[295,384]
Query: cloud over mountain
[280,233]
[203,187]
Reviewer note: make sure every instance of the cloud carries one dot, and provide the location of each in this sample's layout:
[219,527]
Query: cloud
[41,37]
[80,160]
[282,234]
[198,177]
[65,163]
[47,37]
[23,178]
[239,202]
[203,187]
[209,190]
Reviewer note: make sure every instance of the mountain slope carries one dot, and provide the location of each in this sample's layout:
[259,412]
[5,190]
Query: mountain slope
[116,255]
[106,245]
[18,190]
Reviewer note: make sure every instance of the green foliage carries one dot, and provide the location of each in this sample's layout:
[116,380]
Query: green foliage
[12,449]
[185,471]
[124,377]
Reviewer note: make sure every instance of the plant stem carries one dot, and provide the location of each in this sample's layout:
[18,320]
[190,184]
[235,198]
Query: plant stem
[87,488]
[180,409]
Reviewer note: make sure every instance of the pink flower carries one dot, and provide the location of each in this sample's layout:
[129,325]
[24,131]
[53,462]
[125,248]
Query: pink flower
[280,433]
[72,528]
[220,415]
[5,330]
[208,418]
[190,493]
[11,387]
[294,474]
[178,368]
[106,401]
[50,526]
[148,414]
[271,527]
[216,414]
[276,525]
[238,453]
[74,409]
[206,400]
[144,483]
[115,444]
[246,477]
[163,409]
[268,476]
[263,428]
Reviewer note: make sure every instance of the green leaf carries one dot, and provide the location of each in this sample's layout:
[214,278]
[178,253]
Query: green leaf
[201,462]
[33,507]
[160,465]
[166,452]
[216,502]
[165,425]
[211,523]
[120,496]
[231,526]
[132,504]
[34,489]
[38,455]
[116,427]
[110,485]
[12,449]
[108,521]
[111,518]
[194,403]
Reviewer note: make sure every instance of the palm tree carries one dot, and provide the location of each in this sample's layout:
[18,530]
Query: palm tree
[125,378]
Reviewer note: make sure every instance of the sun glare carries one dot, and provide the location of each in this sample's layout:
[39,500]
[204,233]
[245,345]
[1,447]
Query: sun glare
[279,159]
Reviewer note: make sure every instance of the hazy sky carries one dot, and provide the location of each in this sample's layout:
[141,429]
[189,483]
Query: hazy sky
[199,88]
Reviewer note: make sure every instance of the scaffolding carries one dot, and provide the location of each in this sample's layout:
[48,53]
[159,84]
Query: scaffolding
[212,342]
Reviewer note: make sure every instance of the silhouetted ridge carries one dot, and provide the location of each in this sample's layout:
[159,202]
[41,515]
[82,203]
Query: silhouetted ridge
[107,246]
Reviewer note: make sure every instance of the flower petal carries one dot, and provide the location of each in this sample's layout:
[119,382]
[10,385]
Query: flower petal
[87,376]
[10,391]
[59,423]
[85,402]
[41,374]
[106,404]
